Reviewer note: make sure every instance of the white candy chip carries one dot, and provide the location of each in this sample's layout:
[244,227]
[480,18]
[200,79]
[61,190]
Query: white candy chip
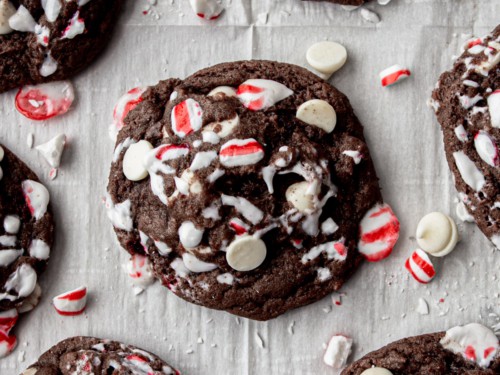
[246,253]
[22,20]
[133,160]
[300,197]
[494,108]
[337,352]
[437,234]
[318,113]
[52,150]
[376,371]
[326,57]
[471,174]
[189,235]
[194,264]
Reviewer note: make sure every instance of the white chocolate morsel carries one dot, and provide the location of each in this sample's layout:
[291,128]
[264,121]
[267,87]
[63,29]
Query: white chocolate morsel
[470,173]
[31,301]
[2,153]
[11,224]
[52,9]
[318,113]
[437,234]
[30,371]
[189,235]
[299,196]
[194,264]
[494,108]
[376,371]
[223,90]
[133,160]
[7,10]
[52,150]
[326,57]
[22,20]
[246,253]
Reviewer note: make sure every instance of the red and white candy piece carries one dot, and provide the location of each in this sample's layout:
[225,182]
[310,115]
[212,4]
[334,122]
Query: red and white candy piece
[37,198]
[8,320]
[494,108]
[206,9]
[326,57]
[52,150]
[474,342]
[241,152]
[76,26]
[7,343]
[420,267]
[393,75]
[239,226]
[133,160]
[318,113]
[7,10]
[125,104]
[140,271]
[46,100]
[246,253]
[379,232]
[186,117]
[260,94]
[486,148]
[337,351]
[71,303]
[170,152]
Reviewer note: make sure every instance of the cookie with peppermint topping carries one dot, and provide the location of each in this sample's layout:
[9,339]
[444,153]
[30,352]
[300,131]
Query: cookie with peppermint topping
[467,105]
[26,237]
[472,349]
[247,187]
[49,40]
[90,355]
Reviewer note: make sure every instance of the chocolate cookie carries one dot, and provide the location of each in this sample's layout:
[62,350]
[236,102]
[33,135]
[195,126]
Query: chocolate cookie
[51,40]
[244,186]
[344,2]
[468,350]
[26,236]
[467,104]
[88,355]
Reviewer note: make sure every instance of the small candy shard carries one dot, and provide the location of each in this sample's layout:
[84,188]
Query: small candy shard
[338,351]
[46,100]
[393,75]
[52,150]
[420,267]
[246,253]
[71,303]
[318,113]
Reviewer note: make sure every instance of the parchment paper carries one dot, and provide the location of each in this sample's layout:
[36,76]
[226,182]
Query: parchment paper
[379,302]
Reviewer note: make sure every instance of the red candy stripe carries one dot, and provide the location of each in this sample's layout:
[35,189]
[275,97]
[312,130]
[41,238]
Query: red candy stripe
[420,267]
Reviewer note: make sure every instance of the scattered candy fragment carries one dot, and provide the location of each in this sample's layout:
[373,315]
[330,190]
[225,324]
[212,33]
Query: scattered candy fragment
[52,150]
[463,214]
[393,75]
[420,267]
[326,57]
[379,232]
[246,253]
[337,351]
[46,100]
[133,160]
[422,307]
[206,9]
[241,152]
[71,303]
[318,113]
[140,271]
[369,15]
[260,94]
[437,234]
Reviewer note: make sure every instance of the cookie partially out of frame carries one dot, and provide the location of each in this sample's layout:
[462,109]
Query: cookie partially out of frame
[468,350]
[467,104]
[89,355]
[26,231]
[51,40]
[343,2]
[237,203]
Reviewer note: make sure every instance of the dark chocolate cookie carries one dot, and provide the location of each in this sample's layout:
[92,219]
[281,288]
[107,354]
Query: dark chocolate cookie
[343,2]
[48,40]
[467,104]
[88,355]
[244,186]
[468,350]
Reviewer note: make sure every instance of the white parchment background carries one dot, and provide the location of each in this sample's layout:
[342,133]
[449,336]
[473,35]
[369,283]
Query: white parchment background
[379,302]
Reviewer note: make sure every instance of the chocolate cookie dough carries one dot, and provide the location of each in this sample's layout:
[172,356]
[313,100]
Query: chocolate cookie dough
[244,187]
[467,104]
[468,350]
[88,355]
[51,40]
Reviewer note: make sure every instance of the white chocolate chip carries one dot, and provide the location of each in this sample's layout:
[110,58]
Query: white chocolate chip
[133,161]
[297,195]
[189,235]
[437,234]
[2,153]
[376,371]
[326,57]
[7,10]
[30,371]
[22,20]
[246,253]
[225,90]
[318,113]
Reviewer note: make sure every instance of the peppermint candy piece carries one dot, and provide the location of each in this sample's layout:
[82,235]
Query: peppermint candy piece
[22,281]
[376,371]
[260,94]
[318,113]
[302,196]
[486,148]
[393,75]
[337,351]
[37,198]
[139,270]
[195,265]
[7,344]
[8,320]
[52,150]
[494,108]
[326,57]
[75,27]
[52,9]
[46,100]
[471,174]
[206,9]
[474,342]
[246,253]
[186,117]
[437,234]
[420,267]
[7,10]
[22,20]
[133,160]
[241,152]
[125,104]
[379,232]
[223,91]
[71,303]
